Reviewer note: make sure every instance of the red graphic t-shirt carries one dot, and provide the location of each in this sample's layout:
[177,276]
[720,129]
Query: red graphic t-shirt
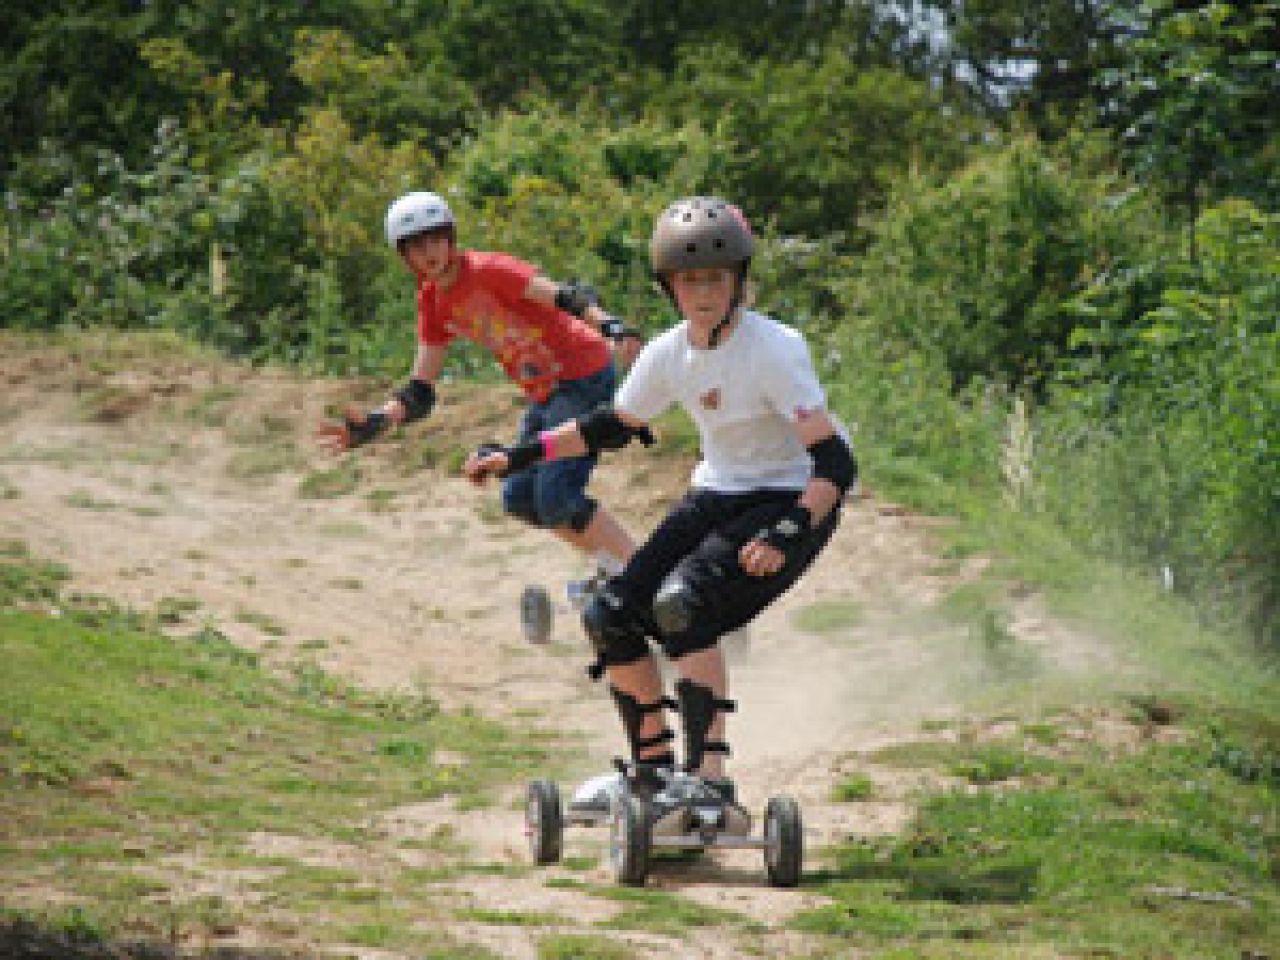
[538,346]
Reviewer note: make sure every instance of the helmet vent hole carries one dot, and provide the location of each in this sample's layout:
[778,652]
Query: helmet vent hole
[719,244]
[690,248]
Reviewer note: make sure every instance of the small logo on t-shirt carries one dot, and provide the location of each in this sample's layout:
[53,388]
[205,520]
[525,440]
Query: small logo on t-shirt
[711,399]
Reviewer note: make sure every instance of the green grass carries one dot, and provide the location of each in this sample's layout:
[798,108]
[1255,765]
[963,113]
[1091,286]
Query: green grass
[122,750]
[566,946]
[1102,854]
[828,616]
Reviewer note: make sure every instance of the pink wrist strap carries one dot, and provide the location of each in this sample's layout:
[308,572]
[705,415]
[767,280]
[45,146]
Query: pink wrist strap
[548,445]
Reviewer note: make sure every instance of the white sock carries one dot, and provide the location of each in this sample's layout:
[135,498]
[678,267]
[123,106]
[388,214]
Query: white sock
[610,564]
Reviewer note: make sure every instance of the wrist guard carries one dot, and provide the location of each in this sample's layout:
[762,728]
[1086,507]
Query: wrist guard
[520,456]
[789,532]
[418,397]
[615,329]
[602,429]
[361,432]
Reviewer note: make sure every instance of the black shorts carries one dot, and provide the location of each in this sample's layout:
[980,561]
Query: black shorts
[701,538]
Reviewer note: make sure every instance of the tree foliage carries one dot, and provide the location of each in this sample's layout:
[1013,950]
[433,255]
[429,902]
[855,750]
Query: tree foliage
[961,202]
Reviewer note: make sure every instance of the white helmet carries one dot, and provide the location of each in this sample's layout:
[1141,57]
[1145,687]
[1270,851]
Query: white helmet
[416,213]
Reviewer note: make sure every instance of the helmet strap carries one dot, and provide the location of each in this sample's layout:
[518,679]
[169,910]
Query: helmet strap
[739,289]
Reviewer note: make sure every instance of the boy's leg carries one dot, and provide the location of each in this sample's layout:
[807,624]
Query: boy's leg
[706,668]
[620,623]
[561,499]
[707,596]
[641,681]
[603,534]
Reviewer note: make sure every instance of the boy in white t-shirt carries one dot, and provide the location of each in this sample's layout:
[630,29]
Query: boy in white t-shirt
[764,500]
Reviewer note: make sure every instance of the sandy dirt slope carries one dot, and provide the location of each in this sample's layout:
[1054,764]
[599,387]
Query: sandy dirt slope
[158,479]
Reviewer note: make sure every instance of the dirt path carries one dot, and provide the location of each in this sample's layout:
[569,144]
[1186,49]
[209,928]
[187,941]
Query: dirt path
[154,484]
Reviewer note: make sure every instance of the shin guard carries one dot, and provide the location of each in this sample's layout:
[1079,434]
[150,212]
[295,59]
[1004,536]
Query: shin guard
[633,713]
[698,708]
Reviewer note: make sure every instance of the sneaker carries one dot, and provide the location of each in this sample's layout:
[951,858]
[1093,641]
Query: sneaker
[580,592]
[723,787]
[595,795]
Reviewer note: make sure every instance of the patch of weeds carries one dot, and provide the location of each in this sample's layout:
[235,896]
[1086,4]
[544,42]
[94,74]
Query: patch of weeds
[420,457]
[8,491]
[509,918]
[852,789]
[1247,761]
[453,460]
[382,500]
[916,753]
[1078,859]
[569,946]
[959,544]
[84,500]
[860,912]
[347,583]
[578,863]
[338,481]
[262,462]
[210,406]
[664,913]
[26,580]
[995,762]
[262,621]
[172,610]
[267,429]
[109,403]
[829,616]
[491,512]
[1046,734]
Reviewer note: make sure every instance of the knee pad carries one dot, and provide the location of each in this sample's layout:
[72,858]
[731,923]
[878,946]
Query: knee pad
[698,706]
[616,632]
[675,605]
[633,713]
[683,620]
[517,502]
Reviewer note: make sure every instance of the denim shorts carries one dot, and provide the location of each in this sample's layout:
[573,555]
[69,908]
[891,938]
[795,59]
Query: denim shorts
[554,494]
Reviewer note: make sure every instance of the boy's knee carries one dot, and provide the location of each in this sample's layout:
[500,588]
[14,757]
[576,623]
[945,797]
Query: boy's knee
[519,506]
[575,515]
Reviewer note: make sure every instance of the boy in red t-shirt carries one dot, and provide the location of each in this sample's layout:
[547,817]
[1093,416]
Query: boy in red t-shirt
[550,338]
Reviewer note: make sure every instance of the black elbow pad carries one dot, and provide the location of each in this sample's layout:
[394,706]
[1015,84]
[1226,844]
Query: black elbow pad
[833,461]
[574,299]
[603,429]
[418,398]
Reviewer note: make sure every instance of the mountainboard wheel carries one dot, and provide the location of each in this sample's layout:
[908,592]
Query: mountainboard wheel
[535,614]
[543,822]
[784,841]
[629,840]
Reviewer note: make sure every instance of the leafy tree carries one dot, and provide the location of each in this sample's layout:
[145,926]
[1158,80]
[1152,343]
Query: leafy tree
[814,147]
[1196,100]
[506,48]
[70,74]
[1177,425]
[385,93]
[978,270]
[1035,57]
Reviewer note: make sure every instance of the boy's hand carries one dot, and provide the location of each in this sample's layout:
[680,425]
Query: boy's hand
[490,460]
[356,428]
[759,559]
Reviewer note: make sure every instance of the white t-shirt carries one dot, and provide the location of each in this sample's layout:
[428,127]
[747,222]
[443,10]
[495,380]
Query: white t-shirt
[744,396]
